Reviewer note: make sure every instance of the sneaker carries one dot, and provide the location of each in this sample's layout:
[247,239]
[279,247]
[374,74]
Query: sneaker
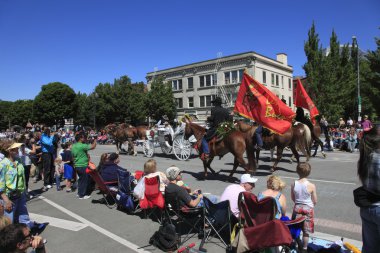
[49,186]
[45,189]
[68,190]
[85,197]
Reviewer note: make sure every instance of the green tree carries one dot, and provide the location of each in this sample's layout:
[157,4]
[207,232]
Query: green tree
[102,101]
[5,111]
[83,115]
[55,102]
[21,111]
[371,84]
[160,100]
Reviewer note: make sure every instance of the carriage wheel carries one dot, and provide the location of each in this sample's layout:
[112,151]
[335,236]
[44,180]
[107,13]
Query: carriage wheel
[165,149]
[182,148]
[148,148]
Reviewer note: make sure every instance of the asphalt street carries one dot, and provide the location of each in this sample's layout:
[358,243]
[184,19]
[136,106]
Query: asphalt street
[84,226]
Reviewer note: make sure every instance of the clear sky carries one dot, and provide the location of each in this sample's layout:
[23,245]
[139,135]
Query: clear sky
[86,42]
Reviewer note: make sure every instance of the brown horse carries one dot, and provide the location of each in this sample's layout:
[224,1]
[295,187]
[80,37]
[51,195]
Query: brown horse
[315,137]
[124,132]
[297,137]
[234,142]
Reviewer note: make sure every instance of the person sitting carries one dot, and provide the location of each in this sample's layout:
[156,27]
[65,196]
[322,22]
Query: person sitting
[231,193]
[109,171]
[17,238]
[258,136]
[274,187]
[351,140]
[177,196]
[169,134]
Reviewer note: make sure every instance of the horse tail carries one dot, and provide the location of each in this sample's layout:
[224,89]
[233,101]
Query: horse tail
[304,143]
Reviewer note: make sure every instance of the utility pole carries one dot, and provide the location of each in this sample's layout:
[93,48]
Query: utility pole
[355,42]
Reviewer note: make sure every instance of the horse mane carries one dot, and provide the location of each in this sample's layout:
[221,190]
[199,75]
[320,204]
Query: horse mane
[243,127]
[197,128]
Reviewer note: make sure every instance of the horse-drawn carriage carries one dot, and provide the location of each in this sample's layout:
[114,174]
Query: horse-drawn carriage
[170,143]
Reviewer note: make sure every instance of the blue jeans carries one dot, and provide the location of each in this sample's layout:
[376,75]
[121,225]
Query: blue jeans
[58,182]
[212,198]
[370,229]
[82,181]
[205,148]
[258,132]
[19,213]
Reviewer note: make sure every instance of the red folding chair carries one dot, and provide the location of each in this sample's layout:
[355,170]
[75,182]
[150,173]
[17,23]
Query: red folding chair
[107,189]
[153,199]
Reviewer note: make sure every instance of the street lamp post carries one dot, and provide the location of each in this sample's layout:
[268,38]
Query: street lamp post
[359,98]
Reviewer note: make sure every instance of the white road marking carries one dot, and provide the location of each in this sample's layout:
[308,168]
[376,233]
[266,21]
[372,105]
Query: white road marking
[59,223]
[105,232]
[323,181]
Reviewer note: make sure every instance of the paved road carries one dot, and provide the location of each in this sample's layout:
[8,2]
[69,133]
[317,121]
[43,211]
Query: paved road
[82,226]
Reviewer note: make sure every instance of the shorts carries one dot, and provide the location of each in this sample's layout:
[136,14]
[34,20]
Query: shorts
[301,210]
[68,172]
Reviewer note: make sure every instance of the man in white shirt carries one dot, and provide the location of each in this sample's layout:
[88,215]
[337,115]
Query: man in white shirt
[231,193]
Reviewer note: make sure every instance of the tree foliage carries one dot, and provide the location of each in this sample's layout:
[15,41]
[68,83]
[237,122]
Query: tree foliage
[160,100]
[55,102]
[371,84]
[332,76]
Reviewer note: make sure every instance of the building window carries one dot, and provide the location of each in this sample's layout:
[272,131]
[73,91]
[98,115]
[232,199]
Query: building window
[190,84]
[277,83]
[179,102]
[177,84]
[191,102]
[233,77]
[290,100]
[290,84]
[282,82]
[206,100]
[264,77]
[272,79]
[207,80]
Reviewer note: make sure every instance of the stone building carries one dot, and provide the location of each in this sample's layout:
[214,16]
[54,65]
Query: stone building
[196,84]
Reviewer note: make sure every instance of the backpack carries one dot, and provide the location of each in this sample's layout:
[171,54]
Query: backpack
[166,238]
[124,200]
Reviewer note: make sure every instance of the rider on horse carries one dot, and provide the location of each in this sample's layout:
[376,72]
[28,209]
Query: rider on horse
[218,115]
[300,117]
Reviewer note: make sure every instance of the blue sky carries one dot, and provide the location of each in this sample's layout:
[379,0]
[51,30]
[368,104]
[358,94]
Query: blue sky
[86,42]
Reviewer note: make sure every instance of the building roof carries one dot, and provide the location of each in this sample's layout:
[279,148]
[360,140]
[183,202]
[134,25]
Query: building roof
[225,58]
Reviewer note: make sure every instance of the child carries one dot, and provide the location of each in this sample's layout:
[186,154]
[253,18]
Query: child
[68,165]
[304,195]
[58,172]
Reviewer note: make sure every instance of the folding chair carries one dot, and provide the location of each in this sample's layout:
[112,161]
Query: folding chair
[259,228]
[153,198]
[107,189]
[188,221]
[217,223]
[124,196]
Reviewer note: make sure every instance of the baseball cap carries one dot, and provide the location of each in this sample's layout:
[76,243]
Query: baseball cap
[172,173]
[247,178]
[15,145]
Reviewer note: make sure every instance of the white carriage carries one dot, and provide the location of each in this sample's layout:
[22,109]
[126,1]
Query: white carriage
[169,142]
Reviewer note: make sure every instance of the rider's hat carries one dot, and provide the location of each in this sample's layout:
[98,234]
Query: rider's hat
[165,117]
[217,101]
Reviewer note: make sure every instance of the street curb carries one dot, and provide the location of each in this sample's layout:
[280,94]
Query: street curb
[333,238]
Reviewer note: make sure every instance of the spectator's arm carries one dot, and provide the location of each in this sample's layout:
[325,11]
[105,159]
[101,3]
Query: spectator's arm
[93,145]
[195,202]
[283,204]
[47,140]
[292,193]
[313,194]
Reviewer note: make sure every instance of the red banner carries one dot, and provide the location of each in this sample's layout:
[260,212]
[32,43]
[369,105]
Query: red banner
[256,102]
[303,100]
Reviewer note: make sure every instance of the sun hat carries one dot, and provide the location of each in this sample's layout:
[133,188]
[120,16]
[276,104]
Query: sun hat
[15,145]
[248,178]
[172,173]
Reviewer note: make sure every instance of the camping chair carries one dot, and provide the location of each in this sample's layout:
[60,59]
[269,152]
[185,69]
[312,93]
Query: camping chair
[124,197]
[217,222]
[188,221]
[153,199]
[257,222]
[107,189]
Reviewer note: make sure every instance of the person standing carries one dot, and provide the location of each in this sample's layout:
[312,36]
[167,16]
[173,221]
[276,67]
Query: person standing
[13,187]
[304,196]
[79,152]
[47,146]
[218,115]
[366,123]
[325,129]
[369,193]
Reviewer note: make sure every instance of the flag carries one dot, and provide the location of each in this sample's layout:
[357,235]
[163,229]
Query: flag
[303,100]
[255,101]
